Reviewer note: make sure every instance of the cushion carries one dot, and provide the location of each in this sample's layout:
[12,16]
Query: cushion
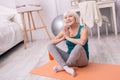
[9,14]
[4,17]
[50,56]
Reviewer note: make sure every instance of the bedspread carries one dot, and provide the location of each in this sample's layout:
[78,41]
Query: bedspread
[10,35]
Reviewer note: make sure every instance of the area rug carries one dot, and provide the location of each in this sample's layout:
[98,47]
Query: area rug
[94,71]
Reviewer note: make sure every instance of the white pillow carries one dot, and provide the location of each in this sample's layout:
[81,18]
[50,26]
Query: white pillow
[6,17]
[17,19]
[4,9]
[11,15]
[6,14]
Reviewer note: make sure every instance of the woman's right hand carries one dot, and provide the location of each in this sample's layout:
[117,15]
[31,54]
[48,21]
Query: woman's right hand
[66,32]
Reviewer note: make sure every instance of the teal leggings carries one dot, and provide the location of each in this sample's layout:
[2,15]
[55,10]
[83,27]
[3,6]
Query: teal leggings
[76,58]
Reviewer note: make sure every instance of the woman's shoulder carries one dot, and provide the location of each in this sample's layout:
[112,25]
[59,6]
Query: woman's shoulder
[83,29]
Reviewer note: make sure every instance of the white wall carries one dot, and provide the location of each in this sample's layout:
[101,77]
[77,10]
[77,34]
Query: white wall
[8,3]
[51,8]
[48,12]
[62,6]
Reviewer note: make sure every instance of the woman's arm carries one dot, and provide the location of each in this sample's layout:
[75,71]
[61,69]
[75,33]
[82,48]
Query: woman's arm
[82,40]
[60,37]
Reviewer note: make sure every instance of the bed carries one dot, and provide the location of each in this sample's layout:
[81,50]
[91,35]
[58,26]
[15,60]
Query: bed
[10,29]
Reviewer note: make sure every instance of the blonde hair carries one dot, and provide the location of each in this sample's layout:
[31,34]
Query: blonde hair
[74,14]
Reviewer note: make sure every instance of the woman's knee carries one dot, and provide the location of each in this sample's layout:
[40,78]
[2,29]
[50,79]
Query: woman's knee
[77,63]
[79,47]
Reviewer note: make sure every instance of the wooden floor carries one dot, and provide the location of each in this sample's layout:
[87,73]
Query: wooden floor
[18,62]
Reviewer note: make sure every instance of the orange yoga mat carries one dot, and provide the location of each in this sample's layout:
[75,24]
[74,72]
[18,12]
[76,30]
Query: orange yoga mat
[94,71]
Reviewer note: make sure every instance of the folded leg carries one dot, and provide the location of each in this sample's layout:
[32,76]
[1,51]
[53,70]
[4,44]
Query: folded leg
[77,57]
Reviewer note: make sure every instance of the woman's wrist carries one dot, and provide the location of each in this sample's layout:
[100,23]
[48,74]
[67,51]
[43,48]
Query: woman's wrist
[67,38]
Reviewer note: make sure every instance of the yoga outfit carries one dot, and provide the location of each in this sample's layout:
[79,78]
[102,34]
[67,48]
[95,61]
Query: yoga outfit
[76,55]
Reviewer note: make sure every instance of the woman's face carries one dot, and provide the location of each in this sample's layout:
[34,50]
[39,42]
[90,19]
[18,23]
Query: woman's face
[69,19]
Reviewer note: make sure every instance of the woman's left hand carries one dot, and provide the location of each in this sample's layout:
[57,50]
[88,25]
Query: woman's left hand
[66,32]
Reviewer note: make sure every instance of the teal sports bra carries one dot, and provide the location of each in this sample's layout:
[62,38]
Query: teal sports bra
[71,45]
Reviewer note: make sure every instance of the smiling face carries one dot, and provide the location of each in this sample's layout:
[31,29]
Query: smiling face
[69,19]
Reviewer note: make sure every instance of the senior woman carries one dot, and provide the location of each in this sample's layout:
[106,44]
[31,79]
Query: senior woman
[76,37]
